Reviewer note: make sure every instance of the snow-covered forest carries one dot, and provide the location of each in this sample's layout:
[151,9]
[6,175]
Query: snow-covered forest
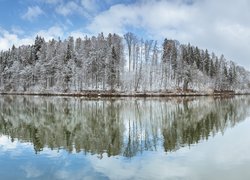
[116,63]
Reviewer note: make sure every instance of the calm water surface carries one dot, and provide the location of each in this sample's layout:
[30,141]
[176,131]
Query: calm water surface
[74,138]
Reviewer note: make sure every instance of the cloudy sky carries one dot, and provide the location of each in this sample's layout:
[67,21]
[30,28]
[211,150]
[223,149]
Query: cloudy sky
[221,26]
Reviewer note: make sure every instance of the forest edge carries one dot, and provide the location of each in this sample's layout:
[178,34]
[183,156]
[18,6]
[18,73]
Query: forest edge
[97,93]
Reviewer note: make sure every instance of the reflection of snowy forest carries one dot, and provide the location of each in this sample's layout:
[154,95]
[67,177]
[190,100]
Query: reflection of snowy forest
[115,63]
[124,127]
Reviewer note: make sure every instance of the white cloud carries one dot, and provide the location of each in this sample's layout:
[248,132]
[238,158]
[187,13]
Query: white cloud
[159,19]
[90,5]
[32,13]
[115,19]
[70,8]
[77,34]
[52,32]
[52,1]
[67,9]
[220,26]
[17,30]
[7,39]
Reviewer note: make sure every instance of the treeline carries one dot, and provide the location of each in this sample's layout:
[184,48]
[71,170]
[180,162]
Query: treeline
[116,64]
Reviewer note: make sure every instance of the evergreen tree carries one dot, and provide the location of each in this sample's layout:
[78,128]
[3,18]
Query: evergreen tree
[99,63]
[206,62]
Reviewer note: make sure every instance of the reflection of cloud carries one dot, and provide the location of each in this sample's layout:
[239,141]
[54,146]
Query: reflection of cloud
[61,174]
[15,148]
[221,157]
[210,159]
[77,174]
[31,171]
[6,144]
[149,165]
[51,153]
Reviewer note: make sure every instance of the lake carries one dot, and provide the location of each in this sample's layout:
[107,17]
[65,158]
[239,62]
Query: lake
[124,138]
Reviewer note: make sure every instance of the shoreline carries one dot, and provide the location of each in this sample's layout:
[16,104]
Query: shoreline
[107,94]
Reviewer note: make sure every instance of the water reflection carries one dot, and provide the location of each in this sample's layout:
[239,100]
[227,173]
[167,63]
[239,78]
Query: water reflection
[117,126]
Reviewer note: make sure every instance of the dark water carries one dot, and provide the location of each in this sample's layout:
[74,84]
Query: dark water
[74,138]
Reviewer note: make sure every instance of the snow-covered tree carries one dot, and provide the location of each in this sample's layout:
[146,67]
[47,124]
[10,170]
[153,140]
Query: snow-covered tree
[103,63]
